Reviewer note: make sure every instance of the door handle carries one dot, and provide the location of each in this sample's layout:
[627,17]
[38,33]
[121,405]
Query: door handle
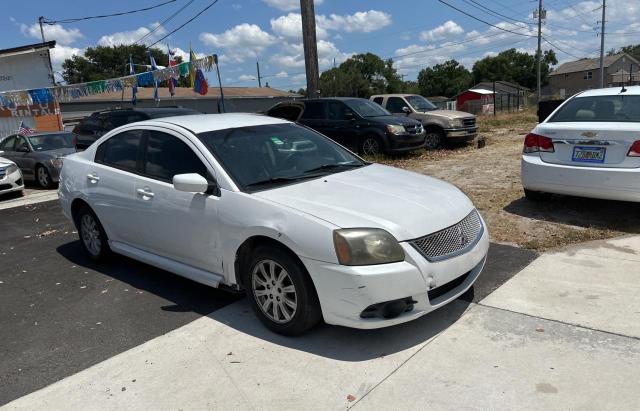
[145,192]
[93,178]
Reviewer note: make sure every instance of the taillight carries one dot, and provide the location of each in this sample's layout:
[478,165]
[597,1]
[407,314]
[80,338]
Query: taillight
[534,143]
[634,151]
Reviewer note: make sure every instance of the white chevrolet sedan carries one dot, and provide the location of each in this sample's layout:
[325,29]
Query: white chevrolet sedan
[588,147]
[247,202]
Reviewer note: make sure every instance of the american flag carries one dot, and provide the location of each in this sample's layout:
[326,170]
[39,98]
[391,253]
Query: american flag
[25,130]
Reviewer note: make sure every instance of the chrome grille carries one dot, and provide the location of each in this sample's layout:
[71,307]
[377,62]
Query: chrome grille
[451,241]
[469,122]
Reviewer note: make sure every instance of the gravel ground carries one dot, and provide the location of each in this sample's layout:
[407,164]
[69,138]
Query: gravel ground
[491,178]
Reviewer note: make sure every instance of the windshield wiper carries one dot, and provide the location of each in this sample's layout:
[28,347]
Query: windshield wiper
[333,166]
[276,180]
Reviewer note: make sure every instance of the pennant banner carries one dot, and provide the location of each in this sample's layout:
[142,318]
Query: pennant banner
[76,91]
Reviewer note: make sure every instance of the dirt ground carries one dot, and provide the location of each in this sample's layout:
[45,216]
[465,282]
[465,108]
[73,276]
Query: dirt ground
[490,176]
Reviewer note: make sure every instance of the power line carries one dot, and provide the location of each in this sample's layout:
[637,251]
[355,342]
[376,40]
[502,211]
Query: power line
[184,24]
[163,22]
[492,12]
[559,49]
[73,20]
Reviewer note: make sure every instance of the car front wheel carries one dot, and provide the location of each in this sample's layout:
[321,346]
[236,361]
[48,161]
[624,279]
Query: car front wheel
[371,146]
[433,139]
[281,292]
[92,236]
[43,177]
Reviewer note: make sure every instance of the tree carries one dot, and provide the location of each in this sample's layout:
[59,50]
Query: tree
[633,50]
[446,79]
[361,76]
[101,63]
[514,66]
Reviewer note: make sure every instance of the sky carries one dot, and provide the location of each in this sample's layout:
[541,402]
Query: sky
[414,33]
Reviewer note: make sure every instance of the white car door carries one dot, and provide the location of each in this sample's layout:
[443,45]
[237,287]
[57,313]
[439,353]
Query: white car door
[174,224]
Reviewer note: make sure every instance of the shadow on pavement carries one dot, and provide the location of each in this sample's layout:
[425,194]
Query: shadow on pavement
[581,212]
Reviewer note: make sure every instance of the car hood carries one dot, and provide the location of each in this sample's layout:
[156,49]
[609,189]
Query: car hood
[60,152]
[5,162]
[394,120]
[449,114]
[406,204]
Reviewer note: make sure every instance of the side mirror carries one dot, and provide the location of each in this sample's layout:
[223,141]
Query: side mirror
[349,115]
[406,110]
[22,149]
[190,183]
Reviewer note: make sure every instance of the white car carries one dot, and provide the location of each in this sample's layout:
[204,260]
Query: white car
[11,179]
[310,230]
[588,147]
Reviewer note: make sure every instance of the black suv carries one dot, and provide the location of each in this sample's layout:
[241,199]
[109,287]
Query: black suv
[355,122]
[93,127]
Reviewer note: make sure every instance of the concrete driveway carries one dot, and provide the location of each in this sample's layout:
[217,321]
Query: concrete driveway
[562,333]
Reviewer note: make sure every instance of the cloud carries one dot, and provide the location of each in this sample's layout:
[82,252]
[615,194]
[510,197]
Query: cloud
[240,42]
[52,32]
[287,5]
[290,26]
[130,37]
[236,6]
[246,77]
[282,74]
[292,56]
[60,53]
[448,29]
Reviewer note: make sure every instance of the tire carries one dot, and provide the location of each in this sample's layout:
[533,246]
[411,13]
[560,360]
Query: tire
[290,312]
[371,146]
[534,195]
[92,236]
[433,139]
[43,177]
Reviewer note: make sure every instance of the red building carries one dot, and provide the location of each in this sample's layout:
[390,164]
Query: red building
[475,101]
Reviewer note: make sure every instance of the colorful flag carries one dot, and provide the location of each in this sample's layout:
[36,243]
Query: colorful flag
[192,70]
[172,82]
[200,84]
[155,82]
[25,130]
[134,88]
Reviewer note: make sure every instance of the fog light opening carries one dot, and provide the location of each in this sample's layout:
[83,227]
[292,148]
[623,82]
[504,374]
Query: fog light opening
[389,309]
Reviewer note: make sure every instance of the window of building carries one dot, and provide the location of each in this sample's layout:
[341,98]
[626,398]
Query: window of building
[588,75]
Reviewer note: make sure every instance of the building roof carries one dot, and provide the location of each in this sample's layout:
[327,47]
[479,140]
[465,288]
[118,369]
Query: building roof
[589,64]
[500,86]
[27,48]
[146,93]
[480,91]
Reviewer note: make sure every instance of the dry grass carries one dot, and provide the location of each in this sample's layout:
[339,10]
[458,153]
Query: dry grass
[491,178]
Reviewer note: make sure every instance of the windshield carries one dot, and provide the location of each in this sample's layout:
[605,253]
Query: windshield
[618,108]
[46,142]
[420,103]
[366,108]
[260,157]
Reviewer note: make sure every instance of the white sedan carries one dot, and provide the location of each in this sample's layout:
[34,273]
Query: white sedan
[11,180]
[310,230]
[588,147]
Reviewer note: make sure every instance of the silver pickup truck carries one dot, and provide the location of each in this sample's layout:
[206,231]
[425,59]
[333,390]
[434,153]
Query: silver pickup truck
[441,126]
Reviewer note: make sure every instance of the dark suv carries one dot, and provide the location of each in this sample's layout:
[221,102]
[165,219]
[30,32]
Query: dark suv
[93,127]
[356,123]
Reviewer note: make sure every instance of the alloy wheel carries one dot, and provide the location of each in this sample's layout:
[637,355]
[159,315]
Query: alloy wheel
[370,147]
[274,291]
[432,140]
[90,234]
[43,177]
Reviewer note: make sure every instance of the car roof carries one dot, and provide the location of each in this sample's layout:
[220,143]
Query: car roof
[332,99]
[146,110]
[200,123]
[394,95]
[610,91]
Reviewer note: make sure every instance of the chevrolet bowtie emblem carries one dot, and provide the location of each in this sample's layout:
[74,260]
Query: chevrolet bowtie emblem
[589,134]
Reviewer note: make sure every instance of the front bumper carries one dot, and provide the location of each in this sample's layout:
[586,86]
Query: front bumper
[595,182]
[461,134]
[346,291]
[12,182]
[400,143]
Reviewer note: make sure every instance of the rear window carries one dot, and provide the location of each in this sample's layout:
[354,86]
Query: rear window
[313,110]
[618,108]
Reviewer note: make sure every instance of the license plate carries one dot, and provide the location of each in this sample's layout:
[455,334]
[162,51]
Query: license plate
[589,154]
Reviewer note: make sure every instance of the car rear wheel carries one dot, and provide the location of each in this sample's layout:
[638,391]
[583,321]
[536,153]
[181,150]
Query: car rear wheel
[43,177]
[371,146]
[433,139]
[281,292]
[92,236]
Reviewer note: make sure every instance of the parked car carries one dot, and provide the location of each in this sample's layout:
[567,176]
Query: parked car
[39,155]
[354,123]
[11,180]
[588,147]
[441,126]
[307,228]
[93,127]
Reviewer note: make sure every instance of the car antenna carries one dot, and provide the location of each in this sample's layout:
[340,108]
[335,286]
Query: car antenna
[630,74]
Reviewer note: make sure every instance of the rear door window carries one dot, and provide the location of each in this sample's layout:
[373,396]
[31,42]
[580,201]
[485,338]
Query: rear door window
[167,155]
[121,151]
[8,143]
[313,110]
[378,100]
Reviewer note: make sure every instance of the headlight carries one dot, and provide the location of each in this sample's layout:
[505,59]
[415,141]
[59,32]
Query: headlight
[58,162]
[12,169]
[396,129]
[457,123]
[366,246]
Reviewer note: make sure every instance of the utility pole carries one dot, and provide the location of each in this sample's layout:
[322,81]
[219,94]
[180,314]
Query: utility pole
[602,32]
[310,47]
[539,54]
[259,79]
[41,22]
